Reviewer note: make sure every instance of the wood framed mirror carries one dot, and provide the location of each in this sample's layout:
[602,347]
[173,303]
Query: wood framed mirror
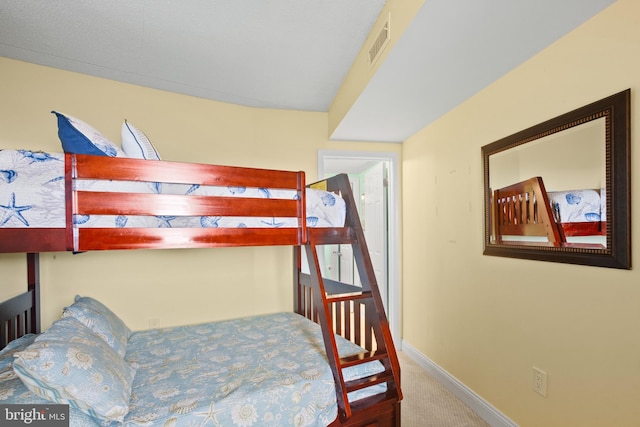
[560,190]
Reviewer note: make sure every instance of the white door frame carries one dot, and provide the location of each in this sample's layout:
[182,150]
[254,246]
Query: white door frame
[394,230]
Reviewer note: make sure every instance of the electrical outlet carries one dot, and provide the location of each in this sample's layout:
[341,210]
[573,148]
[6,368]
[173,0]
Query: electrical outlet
[540,381]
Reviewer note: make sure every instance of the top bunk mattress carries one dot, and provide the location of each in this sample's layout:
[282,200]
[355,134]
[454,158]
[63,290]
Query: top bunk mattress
[32,195]
[579,205]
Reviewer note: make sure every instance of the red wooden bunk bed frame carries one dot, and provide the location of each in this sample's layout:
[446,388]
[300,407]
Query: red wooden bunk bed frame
[356,313]
[524,209]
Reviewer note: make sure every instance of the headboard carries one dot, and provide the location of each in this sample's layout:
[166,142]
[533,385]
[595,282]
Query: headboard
[523,209]
[20,315]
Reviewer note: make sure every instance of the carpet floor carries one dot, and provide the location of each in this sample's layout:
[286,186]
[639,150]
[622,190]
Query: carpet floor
[427,403]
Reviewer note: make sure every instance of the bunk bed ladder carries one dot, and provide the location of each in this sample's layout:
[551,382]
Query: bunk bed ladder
[354,312]
[378,341]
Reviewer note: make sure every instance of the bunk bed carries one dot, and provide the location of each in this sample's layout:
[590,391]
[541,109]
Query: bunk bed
[348,322]
[527,210]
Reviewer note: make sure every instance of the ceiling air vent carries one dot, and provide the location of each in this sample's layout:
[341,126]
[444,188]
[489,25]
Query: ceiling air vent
[381,41]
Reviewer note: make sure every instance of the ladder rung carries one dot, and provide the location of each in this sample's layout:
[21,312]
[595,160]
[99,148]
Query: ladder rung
[329,236]
[349,297]
[368,381]
[365,403]
[360,358]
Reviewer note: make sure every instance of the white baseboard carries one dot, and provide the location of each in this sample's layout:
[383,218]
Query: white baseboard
[478,405]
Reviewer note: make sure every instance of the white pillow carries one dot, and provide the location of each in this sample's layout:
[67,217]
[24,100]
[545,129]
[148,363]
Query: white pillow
[79,137]
[136,144]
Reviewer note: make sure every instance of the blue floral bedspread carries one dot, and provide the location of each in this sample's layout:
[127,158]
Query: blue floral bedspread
[262,371]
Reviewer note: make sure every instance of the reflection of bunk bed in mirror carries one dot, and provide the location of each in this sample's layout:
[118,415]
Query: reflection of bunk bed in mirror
[101,217]
[524,213]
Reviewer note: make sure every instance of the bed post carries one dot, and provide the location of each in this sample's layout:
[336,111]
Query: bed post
[297,269]
[33,286]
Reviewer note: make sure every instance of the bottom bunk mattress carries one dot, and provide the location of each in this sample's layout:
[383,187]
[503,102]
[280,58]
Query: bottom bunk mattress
[267,370]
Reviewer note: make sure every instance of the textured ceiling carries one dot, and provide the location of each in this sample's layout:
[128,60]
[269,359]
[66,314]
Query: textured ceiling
[289,54]
[293,54]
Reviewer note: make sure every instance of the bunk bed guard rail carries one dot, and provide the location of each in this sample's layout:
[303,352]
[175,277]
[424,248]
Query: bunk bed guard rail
[109,172]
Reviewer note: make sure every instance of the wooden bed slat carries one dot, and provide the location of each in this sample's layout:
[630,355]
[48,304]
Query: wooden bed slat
[108,203]
[591,228]
[117,168]
[175,238]
[25,240]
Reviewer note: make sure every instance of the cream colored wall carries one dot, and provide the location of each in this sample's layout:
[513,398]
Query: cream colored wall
[173,286]
[489,320]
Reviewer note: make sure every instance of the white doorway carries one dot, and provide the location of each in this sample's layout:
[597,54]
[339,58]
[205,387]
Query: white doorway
[374,177]
[374,207]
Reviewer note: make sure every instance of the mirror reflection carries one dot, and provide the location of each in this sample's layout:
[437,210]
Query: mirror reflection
[571,167]
[559,191]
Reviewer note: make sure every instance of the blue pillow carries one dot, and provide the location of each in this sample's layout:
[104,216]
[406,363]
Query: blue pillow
[78,137]
[101,320]
[69,364]
[19,344]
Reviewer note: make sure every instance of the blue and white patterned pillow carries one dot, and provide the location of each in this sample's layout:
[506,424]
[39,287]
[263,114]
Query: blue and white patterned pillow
[7,353]
[79,137]
[101,320]
[69,364]
[135,143]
